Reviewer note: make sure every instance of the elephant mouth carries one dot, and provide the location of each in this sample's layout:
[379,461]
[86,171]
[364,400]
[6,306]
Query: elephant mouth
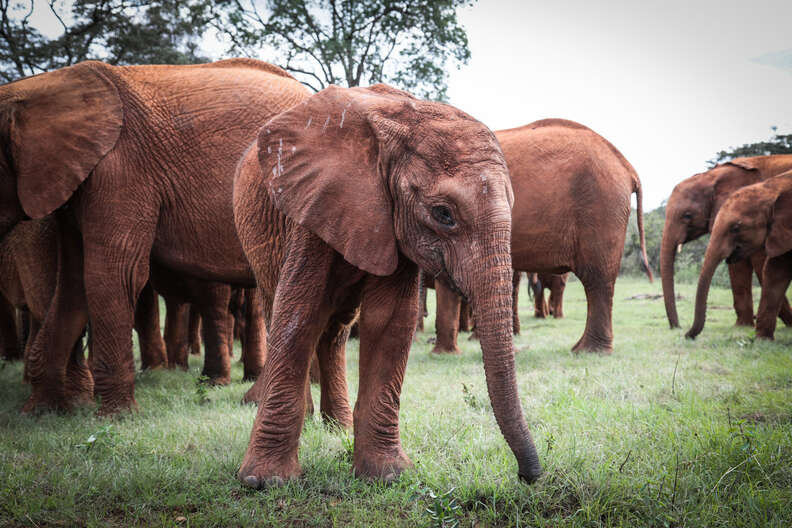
[445,276]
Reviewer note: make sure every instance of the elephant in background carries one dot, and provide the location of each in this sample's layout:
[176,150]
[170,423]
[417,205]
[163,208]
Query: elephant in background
[144,156]
[364,186]
[427,282]
[153,352]
[41,271]
[538,283]
[244,318]
[754,218]
[690,213]
[572,191]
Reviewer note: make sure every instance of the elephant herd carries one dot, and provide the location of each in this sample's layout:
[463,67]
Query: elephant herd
[229,188]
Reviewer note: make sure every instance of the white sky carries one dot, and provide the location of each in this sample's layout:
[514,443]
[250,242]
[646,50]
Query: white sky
[669,83]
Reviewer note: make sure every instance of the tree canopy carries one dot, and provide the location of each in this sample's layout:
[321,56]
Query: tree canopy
[404,42]
[114,31]
[777,144]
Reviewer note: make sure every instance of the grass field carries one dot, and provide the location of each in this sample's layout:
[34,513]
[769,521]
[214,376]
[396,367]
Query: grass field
[665,432]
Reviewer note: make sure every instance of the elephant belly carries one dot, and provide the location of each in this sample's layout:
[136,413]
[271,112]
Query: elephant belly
[206,250]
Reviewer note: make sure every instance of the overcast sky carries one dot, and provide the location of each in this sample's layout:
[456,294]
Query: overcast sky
[669,83]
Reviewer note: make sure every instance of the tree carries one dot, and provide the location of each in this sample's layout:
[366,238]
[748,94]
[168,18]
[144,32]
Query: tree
[778,144]
[351,42]
[114,31]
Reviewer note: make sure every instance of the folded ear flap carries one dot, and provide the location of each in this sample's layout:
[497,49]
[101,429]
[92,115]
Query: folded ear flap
[62,123]
[326,161]
[779,235]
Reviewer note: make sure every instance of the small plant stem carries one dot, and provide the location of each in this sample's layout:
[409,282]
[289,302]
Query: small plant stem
[621,467]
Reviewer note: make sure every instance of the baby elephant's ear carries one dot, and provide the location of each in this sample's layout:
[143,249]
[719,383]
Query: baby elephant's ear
[779,236]
[325,164]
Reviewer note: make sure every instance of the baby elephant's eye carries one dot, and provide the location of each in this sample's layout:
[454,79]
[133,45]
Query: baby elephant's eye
[442,214]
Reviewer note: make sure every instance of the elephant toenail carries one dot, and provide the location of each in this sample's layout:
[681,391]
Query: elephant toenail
[251,481]
[275,481]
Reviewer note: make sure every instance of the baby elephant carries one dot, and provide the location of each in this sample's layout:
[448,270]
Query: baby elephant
[337,204]
[753,218]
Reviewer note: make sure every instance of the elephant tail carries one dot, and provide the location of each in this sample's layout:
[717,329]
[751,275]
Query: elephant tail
[639,214]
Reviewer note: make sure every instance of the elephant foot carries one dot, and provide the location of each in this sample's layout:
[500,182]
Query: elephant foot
[153,361]
[115,398]
[253,394]
[57,401]
[247,376]
[474,336]
[381,468]
[195,350]
[259,472]
[220,381]
[217,379]
[593,345]
[764,334]
[744,321]
[440,349]
[178,359]
[115,406]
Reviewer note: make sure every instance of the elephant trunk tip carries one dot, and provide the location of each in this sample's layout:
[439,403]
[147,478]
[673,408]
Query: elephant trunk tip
[532,473]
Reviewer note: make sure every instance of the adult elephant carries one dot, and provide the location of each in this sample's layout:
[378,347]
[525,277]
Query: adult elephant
[337,205]
[572,191]
[753,219]
[144,156]
[690,213]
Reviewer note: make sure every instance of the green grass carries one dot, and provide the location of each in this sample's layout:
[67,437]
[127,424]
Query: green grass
[665,432]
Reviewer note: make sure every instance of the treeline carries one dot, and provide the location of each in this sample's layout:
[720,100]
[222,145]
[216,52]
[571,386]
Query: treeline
[410,44]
